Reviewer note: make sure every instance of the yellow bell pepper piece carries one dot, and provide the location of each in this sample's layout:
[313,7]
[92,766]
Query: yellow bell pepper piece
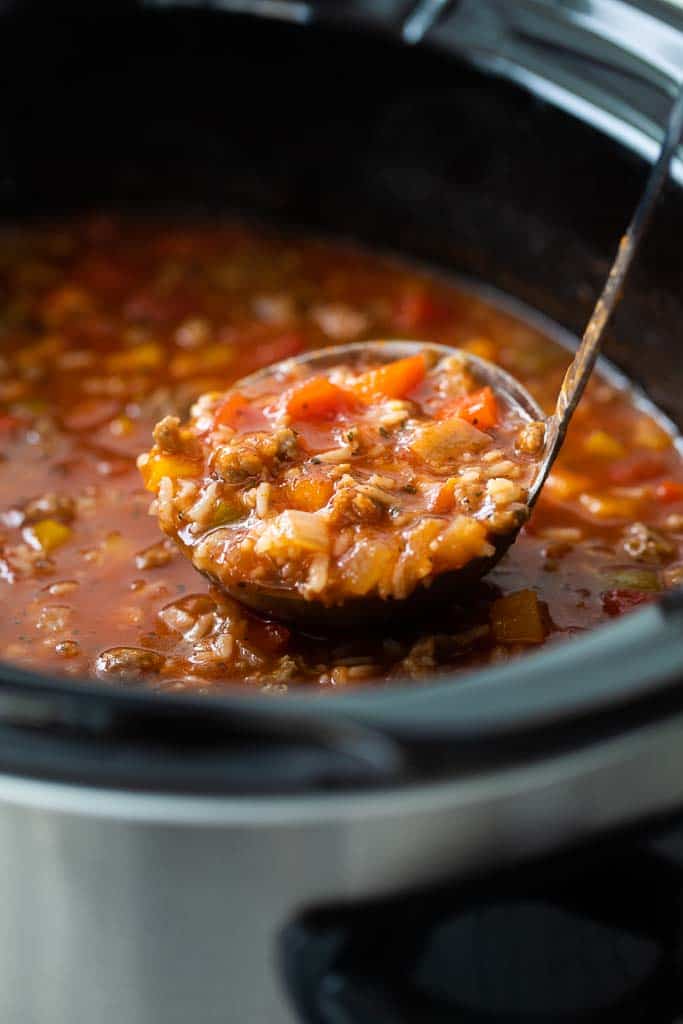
[483,347]
[603,445]
[210,357]
[147,356]
[563,484]
[610,506]
[121,426]
[48,534]
[517,619]
[648,434]
[155,467]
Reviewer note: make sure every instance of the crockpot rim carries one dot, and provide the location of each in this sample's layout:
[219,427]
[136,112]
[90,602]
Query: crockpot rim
[411,740]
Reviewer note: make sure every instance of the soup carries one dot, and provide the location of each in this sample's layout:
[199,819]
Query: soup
[110,325]
[370,479]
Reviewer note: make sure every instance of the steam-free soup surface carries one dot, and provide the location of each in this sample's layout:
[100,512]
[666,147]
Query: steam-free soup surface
[107,326]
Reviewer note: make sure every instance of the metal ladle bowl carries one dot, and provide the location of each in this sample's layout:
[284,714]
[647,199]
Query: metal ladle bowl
[287,604]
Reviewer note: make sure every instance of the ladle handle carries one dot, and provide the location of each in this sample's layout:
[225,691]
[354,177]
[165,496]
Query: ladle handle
[581,367]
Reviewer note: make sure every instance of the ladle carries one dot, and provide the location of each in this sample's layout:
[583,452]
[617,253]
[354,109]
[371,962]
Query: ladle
[287,604]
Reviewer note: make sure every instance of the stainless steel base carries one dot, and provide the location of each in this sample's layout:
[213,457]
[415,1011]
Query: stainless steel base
[121,908]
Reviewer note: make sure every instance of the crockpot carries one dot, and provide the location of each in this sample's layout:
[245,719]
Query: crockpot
[156,852]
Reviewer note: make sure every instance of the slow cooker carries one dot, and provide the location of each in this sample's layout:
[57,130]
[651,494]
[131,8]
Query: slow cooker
[165,859]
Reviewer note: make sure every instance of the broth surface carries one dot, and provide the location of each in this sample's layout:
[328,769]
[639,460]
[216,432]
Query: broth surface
[108,325]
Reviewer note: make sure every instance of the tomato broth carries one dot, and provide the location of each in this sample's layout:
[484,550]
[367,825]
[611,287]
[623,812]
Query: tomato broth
[109,325]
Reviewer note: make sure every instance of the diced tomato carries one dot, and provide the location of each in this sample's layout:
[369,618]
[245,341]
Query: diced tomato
[669,490]
[8,423]
[616,602]
[317,435]
[317,399]
[231,411]
[635,469]
[269,636]
[417,308]
[479,408]
[237,412]
[395,380]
